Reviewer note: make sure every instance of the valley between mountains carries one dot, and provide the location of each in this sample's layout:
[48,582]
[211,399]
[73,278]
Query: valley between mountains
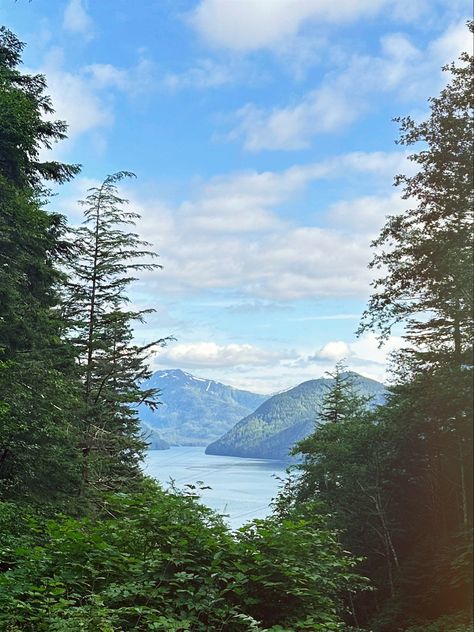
[232,422]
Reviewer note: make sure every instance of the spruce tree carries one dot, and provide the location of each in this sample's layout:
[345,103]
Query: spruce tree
[37,389]
[111,365]
[425,254]
[344,471]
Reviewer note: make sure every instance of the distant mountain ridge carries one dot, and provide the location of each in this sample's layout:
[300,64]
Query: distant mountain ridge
[271,430]
[195,410]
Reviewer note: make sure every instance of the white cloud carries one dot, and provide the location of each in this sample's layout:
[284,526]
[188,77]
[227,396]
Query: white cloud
[84,98]
[456,39]
[77,20]
[333,351]
[210,354]
[249,25]
[321,111]
[206,73]
[364,355]
[365,215]
[367,348]
[229,235]
[132,80]
[259,370]
[345,95]
[75,101]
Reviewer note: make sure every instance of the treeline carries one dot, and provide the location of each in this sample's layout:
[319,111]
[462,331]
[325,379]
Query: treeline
[88,543]
[398,480]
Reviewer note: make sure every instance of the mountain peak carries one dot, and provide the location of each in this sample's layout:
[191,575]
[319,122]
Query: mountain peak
[284,419]
[195,410]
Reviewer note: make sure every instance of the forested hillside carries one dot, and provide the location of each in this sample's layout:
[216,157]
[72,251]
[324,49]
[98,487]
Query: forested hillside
[195,411]
[281,421]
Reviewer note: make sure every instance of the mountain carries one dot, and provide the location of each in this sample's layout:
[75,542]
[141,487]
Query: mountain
[153,438]
[284,419]
[195,411]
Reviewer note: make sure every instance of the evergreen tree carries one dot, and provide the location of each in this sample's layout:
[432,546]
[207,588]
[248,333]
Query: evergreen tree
[344,470]
[37,391]
[111,366]
[24,132]
[427,251]
[426,255]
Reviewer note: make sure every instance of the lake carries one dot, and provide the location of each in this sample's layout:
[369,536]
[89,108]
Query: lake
[241,489]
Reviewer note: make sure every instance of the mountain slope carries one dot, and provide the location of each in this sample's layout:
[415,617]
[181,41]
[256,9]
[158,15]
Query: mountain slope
[153,438]
[284,419]
[195,411]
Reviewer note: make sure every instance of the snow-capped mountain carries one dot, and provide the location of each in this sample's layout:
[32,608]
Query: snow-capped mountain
[195,410]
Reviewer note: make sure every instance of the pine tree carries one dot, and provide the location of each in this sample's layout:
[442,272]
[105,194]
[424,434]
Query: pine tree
[111,366]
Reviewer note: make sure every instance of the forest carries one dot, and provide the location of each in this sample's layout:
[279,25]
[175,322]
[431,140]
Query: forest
[372,530]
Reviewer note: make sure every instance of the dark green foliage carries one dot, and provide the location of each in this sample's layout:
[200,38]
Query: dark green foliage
[398,480]
[38,436]
[345,465]
[160,561]
[112,366]
[23,129]
[37,390]
[427,251]
[195,411]
[295,573]
[282,420]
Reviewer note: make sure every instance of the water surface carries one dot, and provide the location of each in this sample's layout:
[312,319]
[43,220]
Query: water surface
[241,489]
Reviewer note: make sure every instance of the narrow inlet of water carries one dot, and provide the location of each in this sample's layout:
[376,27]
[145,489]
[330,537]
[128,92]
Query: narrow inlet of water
[241,489]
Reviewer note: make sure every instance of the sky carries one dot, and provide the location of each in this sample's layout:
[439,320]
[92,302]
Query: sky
[261,133]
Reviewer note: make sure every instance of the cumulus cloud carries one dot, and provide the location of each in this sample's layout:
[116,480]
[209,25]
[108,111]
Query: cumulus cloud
[229,235]
[363,355]
[249,25]
[77,20]
[345,95]
[321,111]
[210,354]
[333,351]
[131,81]
[283,370]
[75,101]
[366,214]
[84,98]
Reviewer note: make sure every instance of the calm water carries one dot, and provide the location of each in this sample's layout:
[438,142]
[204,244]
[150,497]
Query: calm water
[241,488]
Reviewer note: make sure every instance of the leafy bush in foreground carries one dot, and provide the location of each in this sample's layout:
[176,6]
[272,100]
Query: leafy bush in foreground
[161,561]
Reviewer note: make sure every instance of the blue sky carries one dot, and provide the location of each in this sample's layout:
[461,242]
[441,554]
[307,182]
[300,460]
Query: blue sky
[262,138]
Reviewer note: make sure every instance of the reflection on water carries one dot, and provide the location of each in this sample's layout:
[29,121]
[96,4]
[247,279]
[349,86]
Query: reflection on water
[241,488]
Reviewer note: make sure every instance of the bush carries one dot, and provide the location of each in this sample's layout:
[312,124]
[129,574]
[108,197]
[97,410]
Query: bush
[161,561]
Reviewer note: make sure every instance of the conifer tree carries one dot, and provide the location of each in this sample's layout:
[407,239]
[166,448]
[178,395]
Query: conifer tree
[426,257]
[344,470]
[37,390]
[426,252]
[111,365]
